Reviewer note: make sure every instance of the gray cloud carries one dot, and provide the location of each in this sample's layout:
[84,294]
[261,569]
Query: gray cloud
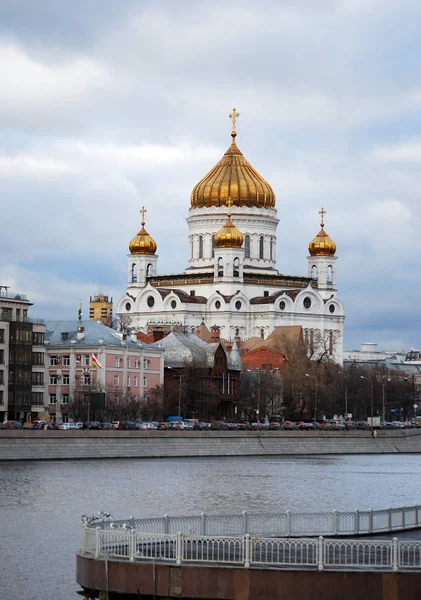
[106,108]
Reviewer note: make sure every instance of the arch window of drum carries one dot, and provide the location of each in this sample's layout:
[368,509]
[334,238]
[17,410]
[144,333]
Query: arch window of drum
[261,246]
[220,267]
[236,272]
[134,274]
[200,246]
[314,272]
[271,248]
[262,333]
[213,245]
[330,343]
[149,270]
[329,274]
[247,246]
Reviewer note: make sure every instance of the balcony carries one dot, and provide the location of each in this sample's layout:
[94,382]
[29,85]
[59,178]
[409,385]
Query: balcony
[10,319]
[10,296]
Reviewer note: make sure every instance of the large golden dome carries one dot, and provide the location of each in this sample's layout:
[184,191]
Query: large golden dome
[322,244]
[228,236]
[142,243]
[233,177]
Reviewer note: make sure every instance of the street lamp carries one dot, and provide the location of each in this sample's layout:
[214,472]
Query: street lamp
[383,402]
[179,395]
[372,398]
[315,399]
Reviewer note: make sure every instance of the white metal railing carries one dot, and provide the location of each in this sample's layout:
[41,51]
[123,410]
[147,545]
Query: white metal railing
[282,524]
[246,550]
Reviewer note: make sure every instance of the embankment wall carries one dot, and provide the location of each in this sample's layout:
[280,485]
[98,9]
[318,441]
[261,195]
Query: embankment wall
[71,445]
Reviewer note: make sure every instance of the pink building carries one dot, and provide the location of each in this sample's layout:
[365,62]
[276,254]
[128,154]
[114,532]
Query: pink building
[128,366]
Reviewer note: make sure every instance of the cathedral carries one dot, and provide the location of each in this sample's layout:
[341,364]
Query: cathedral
[232,284]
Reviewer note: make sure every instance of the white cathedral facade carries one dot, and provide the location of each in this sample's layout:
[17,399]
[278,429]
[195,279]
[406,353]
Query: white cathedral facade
[232,282]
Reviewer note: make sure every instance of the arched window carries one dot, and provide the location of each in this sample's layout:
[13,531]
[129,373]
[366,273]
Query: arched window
[247,246]
[200,246]
[262,333]
[236,272]
[149,270]
[213,245]
[271,248]
[329,274]
[314,272]
[220,267]
[261,246]
[134,274]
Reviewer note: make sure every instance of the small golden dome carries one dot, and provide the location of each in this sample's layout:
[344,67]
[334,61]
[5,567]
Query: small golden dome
[322,244]
[142,243]
[229,236]
[233,177]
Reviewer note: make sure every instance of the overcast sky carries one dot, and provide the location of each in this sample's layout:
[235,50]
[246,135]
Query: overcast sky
[106,105]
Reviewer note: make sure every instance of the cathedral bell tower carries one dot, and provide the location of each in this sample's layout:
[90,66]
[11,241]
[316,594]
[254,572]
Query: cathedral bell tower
[142,258]
[229,255]
[322,259]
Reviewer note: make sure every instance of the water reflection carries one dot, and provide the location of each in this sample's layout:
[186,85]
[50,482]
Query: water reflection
[41,502]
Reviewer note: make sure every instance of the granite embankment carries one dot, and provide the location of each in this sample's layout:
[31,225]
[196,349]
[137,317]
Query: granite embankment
[52,445]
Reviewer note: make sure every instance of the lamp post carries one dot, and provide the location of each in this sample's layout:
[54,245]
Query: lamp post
[372,398]
[179,395]
[383,401]
[315,397]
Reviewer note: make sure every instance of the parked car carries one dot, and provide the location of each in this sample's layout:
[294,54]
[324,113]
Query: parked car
[12,425]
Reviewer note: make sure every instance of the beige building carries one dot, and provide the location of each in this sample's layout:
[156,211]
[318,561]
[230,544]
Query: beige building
[101,309]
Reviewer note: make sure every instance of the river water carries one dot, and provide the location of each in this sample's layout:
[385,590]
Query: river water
[41,502]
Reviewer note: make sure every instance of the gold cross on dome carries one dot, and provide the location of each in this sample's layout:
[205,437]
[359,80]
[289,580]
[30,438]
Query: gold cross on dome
[322,213]
[234,116]
[143,211]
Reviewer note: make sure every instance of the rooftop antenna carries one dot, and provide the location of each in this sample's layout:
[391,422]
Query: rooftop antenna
[79,310]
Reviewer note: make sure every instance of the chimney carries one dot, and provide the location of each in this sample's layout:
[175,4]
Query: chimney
[80,333]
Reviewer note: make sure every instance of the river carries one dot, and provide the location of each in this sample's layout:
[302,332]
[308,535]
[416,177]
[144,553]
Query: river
[41,502]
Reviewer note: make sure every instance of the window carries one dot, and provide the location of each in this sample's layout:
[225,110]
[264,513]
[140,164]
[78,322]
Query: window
[192,292]
[145,363]
[134,275]
[1,377]
[135,381]
[54,361]
[150,301]
[238,305]
[247,246]
[37,398]
[53,399]
[271,248]
[116,380]
[1,398]
[236,272]
[65,399]
[136,363]
[331,308]
[53,379]
[307,302]
[128,363]
[331,342]
[37,378]
[37,338]
[269,367]
[1,357]
[117,361]
[66,361]
[66,379]
[220,267]
[261,246]
[329,274]
[1,336]
[145,382]
[200,246]
[87,360]
[64,335]
[86,379]
[149,271]
[217,305]
[213,246]
[266,294]
[128,306]
[128,381]
[263,367]
[262,333]
[173,304]
[282,305]
[314,272]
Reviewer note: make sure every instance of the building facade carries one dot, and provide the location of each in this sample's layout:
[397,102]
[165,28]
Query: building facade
[101,309]
[232,281]
[22,359]
[126,365]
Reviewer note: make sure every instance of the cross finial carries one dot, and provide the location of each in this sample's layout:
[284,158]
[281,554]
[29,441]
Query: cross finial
[322,213]
[234,116]
[143,211]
